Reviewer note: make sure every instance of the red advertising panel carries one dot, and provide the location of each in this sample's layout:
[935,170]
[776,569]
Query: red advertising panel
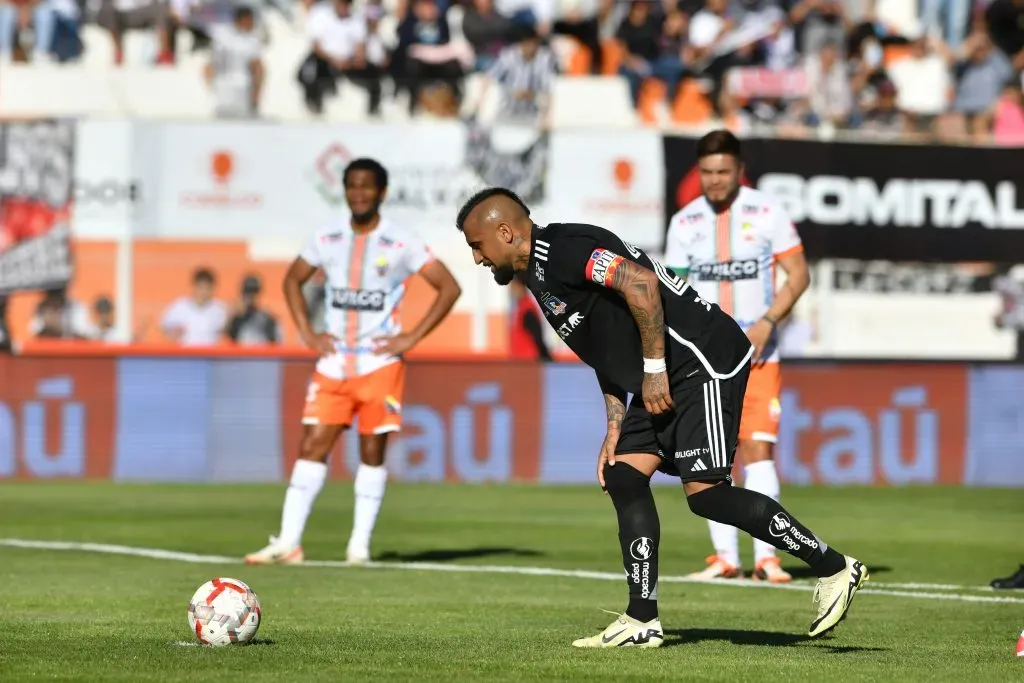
[873,424]
[57,417]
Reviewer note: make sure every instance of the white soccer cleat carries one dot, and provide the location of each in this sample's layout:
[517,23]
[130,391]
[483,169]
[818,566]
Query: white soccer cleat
[626,632]
[276,553]
[357,554]
[718,568]
[834,595]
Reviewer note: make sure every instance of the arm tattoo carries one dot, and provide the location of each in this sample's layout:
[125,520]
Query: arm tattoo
[614,401]
[639,287]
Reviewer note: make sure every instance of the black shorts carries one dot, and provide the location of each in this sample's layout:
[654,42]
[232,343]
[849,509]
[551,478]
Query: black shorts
[697,440]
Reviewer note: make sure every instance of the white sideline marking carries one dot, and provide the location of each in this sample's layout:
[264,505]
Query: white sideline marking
[891,589]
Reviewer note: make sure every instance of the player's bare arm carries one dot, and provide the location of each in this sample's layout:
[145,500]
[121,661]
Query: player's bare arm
[639,287]
[298,273]
[448,291]
[615,406]
[798,278]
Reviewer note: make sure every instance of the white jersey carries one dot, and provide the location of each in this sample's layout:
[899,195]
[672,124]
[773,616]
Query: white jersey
[365,282]
[729,257]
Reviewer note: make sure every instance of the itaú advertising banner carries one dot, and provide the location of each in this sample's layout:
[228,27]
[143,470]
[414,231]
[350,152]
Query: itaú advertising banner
[872,201]
[235,420]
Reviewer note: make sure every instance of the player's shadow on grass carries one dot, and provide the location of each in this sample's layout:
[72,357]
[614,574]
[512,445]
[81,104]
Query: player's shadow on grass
[805,572]
[261,641]
[449,554]
[689,636]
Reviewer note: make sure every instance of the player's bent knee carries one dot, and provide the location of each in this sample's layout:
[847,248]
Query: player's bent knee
[622,479]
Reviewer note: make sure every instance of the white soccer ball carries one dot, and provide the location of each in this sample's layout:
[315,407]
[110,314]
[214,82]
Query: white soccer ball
[224,612]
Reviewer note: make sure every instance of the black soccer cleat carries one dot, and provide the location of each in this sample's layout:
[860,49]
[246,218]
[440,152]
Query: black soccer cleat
[1015,580]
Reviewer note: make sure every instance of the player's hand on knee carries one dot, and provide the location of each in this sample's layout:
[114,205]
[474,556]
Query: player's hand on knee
[656,393]
[607,455]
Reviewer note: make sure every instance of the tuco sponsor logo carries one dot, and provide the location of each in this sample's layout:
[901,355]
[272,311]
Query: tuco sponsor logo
[357,299]
[902,202]
[779,524]
[728,271]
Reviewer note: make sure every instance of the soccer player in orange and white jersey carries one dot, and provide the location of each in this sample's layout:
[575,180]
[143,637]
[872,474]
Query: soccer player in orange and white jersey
[366,259]
[728,242]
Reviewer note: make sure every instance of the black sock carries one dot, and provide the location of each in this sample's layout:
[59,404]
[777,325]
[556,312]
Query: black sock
[639,535]
[763,518]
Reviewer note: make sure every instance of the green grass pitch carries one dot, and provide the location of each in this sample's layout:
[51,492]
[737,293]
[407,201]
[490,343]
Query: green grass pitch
[83,615]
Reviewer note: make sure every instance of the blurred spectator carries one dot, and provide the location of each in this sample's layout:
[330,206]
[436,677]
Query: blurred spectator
[487,31]
[15,20]
[1005,20]
[947,18]
[105,323]
[251,325]
[525,73]
[536,14]
[55,24]
[197,320]
[428,60]
[582,19]
[53,321]
[316,300]
[981,74]
[831,97]
[922,82]
[1011,295]
[526,329]
[1008,125]
[118,16]
[716,46]
[235,70]
[74,316]
[883,117]
[339,49]
[818,22]
[377,54]
[652,46]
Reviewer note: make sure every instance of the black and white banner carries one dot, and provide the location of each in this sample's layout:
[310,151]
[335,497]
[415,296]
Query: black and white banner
[881,201]
[36,191]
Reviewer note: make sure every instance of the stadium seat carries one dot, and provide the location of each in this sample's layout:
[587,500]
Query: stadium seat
[575,98]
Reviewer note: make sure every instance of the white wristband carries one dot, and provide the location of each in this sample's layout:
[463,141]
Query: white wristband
[654,366]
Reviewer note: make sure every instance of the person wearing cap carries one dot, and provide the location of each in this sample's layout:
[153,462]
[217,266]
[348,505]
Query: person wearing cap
[252,325]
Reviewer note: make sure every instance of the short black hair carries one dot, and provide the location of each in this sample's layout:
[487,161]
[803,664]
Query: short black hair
[719,142]
[244,12]
[203,275]
[482,196]
[380,174]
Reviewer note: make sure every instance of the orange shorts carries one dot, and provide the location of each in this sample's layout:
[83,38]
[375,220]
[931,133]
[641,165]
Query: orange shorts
[376,399]
[761,407]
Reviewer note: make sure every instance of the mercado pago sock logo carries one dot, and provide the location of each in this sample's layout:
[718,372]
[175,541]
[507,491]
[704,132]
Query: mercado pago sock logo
[57,417]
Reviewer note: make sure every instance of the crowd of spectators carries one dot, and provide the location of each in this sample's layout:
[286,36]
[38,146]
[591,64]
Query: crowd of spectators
[951,70]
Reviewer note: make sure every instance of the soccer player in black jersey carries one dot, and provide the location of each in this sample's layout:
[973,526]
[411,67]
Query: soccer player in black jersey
[647,333]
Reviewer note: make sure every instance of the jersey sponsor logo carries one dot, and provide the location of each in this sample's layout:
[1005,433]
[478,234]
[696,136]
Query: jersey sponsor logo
[601,266]
[538,272]
[357,299]
[566,329]
[728,271]
[332,237]
[693,218]
[552,303]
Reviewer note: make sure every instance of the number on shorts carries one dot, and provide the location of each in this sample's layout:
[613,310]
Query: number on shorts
[311,392]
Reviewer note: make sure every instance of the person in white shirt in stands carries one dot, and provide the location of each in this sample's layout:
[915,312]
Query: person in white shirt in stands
[198,320]
[235,71]
[922,83]
[73,314]
[339,49]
